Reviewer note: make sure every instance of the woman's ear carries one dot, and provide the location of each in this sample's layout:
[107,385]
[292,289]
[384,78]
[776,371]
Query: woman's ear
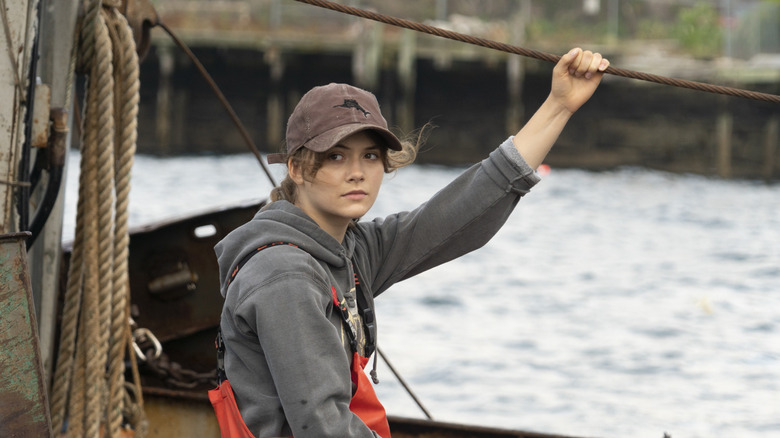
[294,171]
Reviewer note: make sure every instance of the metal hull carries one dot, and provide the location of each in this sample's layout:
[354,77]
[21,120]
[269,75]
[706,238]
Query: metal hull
[178,416]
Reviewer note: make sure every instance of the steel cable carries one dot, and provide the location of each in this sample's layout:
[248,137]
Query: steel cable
[456,36]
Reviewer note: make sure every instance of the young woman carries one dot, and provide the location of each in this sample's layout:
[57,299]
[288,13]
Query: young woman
[300,278]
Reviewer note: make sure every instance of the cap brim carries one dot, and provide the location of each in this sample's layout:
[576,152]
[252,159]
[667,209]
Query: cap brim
[332,137]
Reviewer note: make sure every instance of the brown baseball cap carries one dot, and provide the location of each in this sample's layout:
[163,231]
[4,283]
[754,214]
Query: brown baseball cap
[327,114]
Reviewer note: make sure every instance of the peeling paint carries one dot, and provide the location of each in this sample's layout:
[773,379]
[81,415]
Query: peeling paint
[23,405]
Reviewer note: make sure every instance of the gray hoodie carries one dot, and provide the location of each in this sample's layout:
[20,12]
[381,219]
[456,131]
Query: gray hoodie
[286,355]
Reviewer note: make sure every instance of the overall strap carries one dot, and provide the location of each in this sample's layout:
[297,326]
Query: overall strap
[344,313]
[367,313]
[246,258]
[220,344]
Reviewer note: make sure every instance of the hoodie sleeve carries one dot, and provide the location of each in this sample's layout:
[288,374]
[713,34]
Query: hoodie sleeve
[461,217]
[290,314]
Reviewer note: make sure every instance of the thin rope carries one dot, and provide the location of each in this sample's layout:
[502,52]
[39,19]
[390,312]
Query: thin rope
[432,30]
[222,99]
[404,384]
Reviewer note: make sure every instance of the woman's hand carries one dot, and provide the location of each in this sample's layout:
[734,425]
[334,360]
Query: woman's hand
[576,77]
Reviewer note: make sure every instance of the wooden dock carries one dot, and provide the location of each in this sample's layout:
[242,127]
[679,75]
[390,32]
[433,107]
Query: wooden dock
[475,96]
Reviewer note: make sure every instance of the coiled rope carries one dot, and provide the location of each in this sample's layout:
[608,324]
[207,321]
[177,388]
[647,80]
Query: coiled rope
[432,30]
[89,388]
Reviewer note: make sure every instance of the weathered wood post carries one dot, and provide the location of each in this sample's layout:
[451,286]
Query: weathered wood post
[515,66]
[723,130]
[275,122]
[442,58]
[407,77]
[770,146]
[367,55]
[164,95]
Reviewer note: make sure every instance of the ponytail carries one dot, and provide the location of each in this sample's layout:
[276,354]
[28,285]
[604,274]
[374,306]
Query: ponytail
[287,190]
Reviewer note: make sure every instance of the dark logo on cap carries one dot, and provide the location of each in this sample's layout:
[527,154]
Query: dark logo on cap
[352,103]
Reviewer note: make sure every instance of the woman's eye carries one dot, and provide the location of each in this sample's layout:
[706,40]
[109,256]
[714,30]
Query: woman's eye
[335,157]
[372,156]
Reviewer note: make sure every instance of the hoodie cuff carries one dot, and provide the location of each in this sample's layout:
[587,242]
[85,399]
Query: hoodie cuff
[510,170]
[510,151]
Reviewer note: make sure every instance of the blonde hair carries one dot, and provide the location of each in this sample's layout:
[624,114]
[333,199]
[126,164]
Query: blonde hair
[310,162]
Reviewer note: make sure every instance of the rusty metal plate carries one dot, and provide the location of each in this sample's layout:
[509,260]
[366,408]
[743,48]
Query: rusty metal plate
[24,409]
[174,276]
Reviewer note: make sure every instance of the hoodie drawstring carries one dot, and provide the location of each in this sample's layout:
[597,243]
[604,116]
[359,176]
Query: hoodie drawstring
[374,377]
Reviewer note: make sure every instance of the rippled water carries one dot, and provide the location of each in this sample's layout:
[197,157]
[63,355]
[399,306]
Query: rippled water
[616,304]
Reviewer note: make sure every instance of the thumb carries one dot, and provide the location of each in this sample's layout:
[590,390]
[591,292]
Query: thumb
[567,61]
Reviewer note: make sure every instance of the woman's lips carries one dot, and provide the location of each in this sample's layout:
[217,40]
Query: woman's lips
[355,195]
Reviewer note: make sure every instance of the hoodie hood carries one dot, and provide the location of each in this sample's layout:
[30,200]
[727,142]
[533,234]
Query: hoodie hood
[280,221]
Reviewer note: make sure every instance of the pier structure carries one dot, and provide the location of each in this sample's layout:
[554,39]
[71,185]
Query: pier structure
[474,96]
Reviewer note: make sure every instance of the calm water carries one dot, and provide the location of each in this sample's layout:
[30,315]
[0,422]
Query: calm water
[619,304]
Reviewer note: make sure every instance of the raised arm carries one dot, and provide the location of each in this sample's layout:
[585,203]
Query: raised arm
[574,80]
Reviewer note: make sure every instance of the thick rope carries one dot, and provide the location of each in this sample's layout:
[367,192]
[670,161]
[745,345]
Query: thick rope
[127,98]
[101,105]
[432,30]
[73,295]
[89,388]
[86,283]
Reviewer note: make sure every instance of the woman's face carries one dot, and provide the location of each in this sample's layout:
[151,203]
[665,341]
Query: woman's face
[346,185]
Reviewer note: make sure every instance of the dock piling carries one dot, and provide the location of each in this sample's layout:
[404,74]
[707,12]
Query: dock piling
[723,129]
[770,146]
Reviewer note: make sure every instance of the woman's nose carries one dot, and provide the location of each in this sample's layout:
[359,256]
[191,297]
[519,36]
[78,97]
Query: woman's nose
[356,171]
